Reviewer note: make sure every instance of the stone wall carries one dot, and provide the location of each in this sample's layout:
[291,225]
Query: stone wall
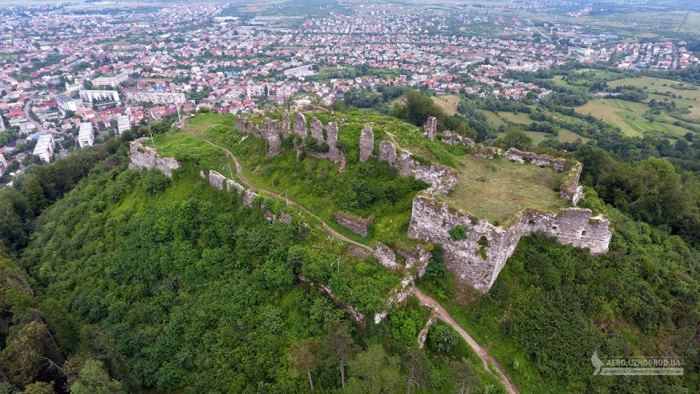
[451,138]
[354,314]
[430,128]
[271,133]
[218,181]
[538,160]
[385,256]
[423,334]
[300,125]
[354,223]
[480,257]
[286,127]
[146,157]
[387,153]
[441,178]
[366,143]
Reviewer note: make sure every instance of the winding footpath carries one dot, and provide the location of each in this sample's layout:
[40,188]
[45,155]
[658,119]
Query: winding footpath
[480,351]
[251,186]
[422,297]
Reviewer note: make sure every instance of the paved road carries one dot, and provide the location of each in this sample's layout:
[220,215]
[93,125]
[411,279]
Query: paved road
[424,299]
[480,351]
[38,125]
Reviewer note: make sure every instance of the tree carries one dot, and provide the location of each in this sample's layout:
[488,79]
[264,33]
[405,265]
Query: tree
[373,371]
[23,358]
[94,379]
[418,373]
[341,345]
[39,388]
[515,138]
[302,357]
[464,375]
[32,190]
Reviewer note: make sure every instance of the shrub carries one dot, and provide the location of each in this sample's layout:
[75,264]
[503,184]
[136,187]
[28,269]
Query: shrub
[458,232]
[154,181]
[442,338]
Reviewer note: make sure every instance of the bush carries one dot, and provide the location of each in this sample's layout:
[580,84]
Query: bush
[442,338]
[458,232]
[154,181]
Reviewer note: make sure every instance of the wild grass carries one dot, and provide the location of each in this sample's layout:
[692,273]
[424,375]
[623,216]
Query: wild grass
[497,189]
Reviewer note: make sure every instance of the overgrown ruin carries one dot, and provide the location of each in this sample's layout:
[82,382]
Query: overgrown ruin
[481,253]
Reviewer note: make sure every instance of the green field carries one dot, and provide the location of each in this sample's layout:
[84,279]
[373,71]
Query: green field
[497,189]
[628,116]
[448,103]
[516,118]
[493,118]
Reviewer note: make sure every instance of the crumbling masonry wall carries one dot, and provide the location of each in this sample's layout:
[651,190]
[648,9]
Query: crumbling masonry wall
[480,257]
[146,157]
[273,131]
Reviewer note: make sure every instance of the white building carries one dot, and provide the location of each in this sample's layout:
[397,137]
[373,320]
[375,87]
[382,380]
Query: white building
[66,103]
[3,164]
[123,124]
[110,81]
[44,148]
[99,95]
[301,71]
[85,136]
[156,97]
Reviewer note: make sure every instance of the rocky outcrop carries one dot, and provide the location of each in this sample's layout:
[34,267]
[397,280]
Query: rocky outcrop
[430,128]
[538,160]
[146,157]
[385,256]
[387,153]
[354,223]
[451,138]
[480,257]
[300,125]
[366,143]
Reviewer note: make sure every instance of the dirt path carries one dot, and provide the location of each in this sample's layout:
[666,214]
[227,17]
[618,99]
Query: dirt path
[485,357]
[251,186]
[424,299]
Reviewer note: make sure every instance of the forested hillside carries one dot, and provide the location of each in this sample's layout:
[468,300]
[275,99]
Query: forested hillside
[114,280]
[134,281]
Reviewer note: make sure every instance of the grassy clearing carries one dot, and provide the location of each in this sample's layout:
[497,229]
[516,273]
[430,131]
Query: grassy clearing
[629,117]
[516,118]
[657,84]
[497,189]
[187,148]
[493,118]
[448,103]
